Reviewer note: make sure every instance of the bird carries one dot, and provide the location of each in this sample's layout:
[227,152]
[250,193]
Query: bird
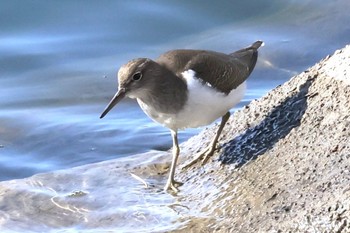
[187,88]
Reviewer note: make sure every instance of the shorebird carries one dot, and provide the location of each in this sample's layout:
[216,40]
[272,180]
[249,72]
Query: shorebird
[187,89]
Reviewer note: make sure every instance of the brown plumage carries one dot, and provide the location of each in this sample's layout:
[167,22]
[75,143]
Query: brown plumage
[187,88]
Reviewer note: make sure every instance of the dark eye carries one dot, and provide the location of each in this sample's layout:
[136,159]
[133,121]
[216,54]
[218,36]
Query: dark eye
[137,76]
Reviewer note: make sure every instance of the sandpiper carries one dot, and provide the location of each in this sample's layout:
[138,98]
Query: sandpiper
[187,89]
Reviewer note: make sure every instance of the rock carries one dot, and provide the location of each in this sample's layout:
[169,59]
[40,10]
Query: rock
[286,159]
[283,166]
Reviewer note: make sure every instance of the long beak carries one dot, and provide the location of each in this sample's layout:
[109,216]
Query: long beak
[116,98]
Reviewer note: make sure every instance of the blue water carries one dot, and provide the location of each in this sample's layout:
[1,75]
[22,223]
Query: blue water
[59,61]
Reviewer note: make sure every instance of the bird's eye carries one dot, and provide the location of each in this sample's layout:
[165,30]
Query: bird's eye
[137,76]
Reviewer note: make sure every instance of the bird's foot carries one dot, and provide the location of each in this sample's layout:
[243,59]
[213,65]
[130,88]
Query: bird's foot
[172,185]
[205,155]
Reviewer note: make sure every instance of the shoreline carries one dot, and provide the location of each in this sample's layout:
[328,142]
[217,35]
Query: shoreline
[282,166]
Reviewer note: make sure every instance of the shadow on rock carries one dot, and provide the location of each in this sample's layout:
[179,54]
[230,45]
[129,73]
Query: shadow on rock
[278,123]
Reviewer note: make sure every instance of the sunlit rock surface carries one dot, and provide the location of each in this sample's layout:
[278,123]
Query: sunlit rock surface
[283,165]
[287,159]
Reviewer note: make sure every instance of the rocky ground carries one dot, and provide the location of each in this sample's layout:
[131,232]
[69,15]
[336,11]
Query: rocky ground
[284,164]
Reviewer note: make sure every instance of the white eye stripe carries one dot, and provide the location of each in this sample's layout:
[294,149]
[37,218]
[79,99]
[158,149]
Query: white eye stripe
[137,76]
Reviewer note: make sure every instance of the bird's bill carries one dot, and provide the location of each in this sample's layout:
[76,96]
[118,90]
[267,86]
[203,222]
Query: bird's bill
[116,98]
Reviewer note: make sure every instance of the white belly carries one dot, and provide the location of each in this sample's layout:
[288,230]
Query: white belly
[204,105]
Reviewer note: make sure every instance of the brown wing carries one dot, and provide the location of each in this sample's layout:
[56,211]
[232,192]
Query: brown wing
[176,60]
[225,72]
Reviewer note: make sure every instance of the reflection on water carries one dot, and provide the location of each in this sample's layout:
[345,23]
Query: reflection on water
[58,65]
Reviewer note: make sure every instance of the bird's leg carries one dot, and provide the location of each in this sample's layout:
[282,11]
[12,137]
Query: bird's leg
[209,151]
[171,183]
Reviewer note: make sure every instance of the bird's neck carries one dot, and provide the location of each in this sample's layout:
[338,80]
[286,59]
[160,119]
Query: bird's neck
[168,94]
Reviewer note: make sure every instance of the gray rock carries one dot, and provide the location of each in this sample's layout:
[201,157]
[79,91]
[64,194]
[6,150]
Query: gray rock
[286,159]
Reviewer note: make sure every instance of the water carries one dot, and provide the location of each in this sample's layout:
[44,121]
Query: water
[59,61]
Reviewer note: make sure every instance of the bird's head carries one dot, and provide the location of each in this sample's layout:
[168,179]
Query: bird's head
[135,78]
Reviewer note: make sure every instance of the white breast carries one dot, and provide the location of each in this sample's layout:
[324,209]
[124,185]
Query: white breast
[204,105]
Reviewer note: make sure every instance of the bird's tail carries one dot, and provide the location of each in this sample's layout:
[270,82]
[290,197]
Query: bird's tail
[254,46]
[257,44]
[249,55]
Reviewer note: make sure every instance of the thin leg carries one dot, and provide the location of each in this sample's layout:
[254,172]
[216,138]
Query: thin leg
[176,150]
[209,151]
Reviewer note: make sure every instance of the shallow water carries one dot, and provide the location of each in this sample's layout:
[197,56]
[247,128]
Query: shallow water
[59,61]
